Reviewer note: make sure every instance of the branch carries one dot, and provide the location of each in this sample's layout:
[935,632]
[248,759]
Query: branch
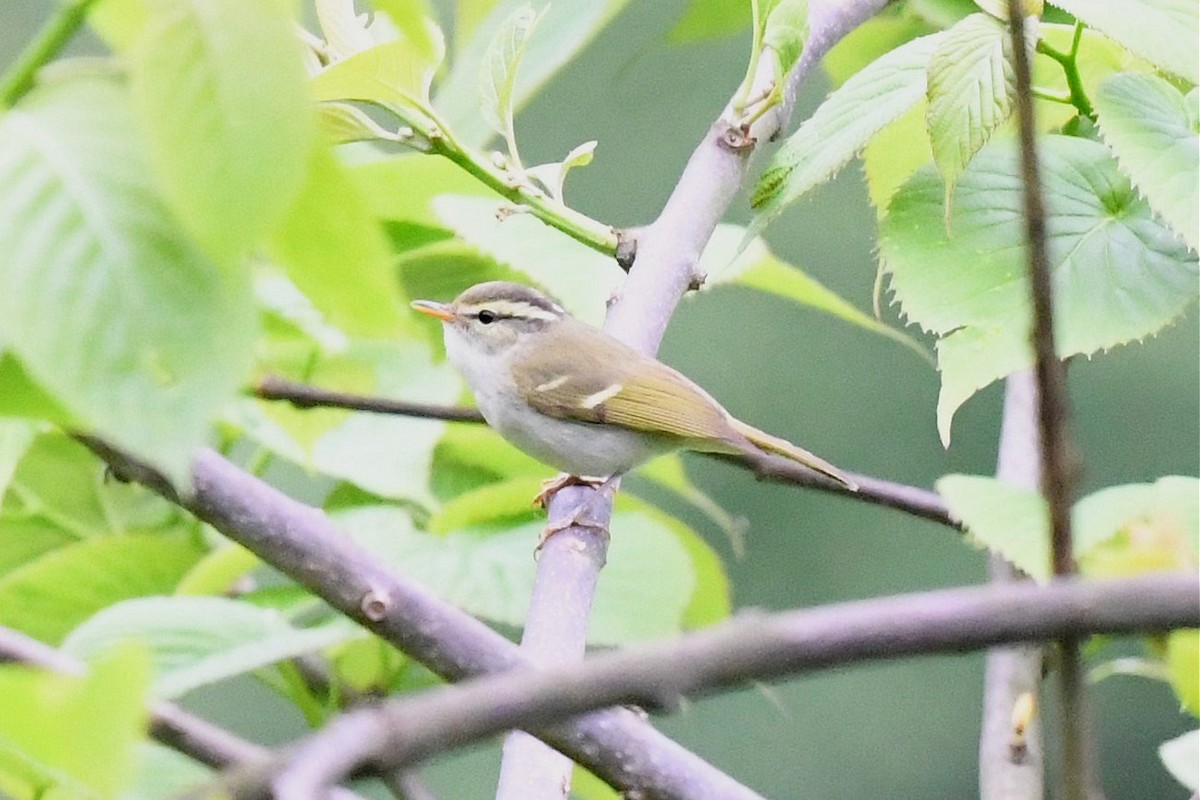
[302,543]
[752,647]
[18,79]
[664,268]
[1011,761]
[878,491]
[1080,779]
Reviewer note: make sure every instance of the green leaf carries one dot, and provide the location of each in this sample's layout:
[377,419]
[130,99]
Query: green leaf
[648,581]
[1138,527]
[15,438]
[1179,757]
[48,597]
[710,19]
[554,175]
[335,252]
[218,571]
[1119,275]
[971,92]
[108,305]
[20,396]
[230,151]
[1164,32]
[1183,660]
[756,267]
[579,277]
[564,29]
[199,641]
[785,33]
[882,33]
[509,499]
[842,126]
[498,74]
[1154,132]
[668,472]
[390,62]
[72,736]
[894,154]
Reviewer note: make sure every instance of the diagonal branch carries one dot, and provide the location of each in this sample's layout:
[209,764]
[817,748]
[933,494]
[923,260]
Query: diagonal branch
[302,543]
[664,268]
[753,647]
[1080,779]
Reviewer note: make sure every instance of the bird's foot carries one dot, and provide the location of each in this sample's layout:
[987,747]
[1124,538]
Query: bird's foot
[563,480]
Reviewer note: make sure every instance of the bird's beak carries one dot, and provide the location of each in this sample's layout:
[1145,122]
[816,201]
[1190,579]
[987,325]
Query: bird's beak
[439,310]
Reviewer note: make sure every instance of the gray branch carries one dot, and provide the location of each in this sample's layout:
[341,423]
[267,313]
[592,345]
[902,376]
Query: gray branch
[302,543]
[1010,755]
[752,647]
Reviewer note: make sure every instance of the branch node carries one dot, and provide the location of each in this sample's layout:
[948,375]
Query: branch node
[698,280]
[375,604]
[626,248]
[735,139]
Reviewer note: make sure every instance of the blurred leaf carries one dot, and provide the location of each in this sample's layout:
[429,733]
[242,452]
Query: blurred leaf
[229,151]
[423,179]
[668,472]
[758,268]
[647,588]
[15,438]
[163,773]
[564,29]
[842,126]
[942,13]
[20,396]
[1155,133]
[579,277]
[971,92]
[368,664]
[1163,32]
[1183,659]
[709,19]
[49,596]
[343,122]
[67,736]
[336,253]
[585,785]
[880,34]
[1179,757]
[481,447]
[119,22]
[218,570]
[468,15]
[107,303]
[199,641]
[498,74]
[1119,275]
[509,499]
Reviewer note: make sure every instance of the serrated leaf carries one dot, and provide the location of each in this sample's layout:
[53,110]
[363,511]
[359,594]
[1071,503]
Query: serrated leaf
[107,303]
[70,736]
[1154,132]
[1164,32]
[579,277]
[648,580]
[726,261]
[199,641]
[564,30]
[1005,519]
[971,92]
[842,126]
[335,251]
[229,151]
[498,73]
[1119,274]
[1183,661]
[49,596]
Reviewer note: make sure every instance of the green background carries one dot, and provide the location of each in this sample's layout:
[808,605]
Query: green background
[907,729]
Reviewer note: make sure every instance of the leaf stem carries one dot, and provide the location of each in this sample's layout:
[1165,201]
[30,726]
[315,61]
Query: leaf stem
[18,79]
[1077,94]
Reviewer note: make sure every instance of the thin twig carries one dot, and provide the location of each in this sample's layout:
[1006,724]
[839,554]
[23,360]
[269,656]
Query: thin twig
[302,395]
[1058,459]
[18,79]
[752,647]
[301,542]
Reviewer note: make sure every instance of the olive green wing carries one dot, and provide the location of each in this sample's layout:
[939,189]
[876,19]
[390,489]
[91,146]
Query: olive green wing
[599,380]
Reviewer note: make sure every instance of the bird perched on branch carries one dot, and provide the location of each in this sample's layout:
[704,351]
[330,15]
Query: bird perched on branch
[577,399]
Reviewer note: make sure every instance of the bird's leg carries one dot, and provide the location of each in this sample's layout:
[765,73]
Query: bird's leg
[563,480]
[581,516]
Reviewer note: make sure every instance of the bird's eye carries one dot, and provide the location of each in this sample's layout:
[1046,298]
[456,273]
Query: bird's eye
[487,317]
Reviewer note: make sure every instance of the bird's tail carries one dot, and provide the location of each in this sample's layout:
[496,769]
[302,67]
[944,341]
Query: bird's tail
[773,444]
